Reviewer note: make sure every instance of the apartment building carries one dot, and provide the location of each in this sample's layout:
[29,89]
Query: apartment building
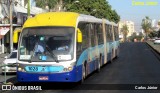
[130,25]
[19,15]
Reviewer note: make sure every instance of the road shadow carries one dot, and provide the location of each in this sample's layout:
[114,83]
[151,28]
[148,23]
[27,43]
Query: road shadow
[13,80]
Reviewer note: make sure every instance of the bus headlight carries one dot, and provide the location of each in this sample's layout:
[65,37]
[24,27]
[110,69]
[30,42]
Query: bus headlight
[21,69]
[70,68]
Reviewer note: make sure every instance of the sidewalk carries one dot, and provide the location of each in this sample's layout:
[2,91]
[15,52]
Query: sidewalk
[156,47]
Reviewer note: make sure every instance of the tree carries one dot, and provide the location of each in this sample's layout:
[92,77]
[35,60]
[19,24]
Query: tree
[125,32]
[140,34]
[146,25]
[50,3]
[153,34]
[159,29]
[97,8]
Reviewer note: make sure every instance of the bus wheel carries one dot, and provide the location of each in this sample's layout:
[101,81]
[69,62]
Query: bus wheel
[116,53]
[111,57]
[99,64]
[83,73]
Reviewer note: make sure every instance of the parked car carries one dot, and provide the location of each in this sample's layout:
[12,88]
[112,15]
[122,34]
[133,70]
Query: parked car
[10,60]
[157,41]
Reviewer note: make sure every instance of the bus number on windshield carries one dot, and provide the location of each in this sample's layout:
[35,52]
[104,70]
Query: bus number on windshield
[33,68]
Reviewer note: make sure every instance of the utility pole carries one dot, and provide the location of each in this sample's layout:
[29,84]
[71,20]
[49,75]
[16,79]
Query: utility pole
[11,25]
[28,8]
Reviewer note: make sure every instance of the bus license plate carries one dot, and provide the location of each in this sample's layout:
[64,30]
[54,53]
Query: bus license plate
[43,77]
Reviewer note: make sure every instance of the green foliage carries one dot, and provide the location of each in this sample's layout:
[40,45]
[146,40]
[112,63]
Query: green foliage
[146,25]
[137,37]
[43,3]
[153,34]
[97,8]
[125,32]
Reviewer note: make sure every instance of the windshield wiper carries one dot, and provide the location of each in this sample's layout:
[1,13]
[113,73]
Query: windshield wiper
[30,61]
[52,54]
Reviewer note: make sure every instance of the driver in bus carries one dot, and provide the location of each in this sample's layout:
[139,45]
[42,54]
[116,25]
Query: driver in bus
[40,46]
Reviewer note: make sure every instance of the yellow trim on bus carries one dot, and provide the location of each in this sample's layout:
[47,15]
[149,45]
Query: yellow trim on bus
[53,19]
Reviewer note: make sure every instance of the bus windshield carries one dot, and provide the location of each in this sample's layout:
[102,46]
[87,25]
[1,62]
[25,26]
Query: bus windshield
[51,44]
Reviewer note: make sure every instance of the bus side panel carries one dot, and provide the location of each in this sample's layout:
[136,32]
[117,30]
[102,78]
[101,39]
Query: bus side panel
[101,51]
[80,61]
[93,64]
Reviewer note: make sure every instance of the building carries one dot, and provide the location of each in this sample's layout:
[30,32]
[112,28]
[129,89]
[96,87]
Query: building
[19,15]
[130,25]
[155,25]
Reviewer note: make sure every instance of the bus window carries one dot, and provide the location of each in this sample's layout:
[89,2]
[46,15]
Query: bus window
[116,32]
[54,38]
[99,34]
[93,36]
[84,27]
[108,32]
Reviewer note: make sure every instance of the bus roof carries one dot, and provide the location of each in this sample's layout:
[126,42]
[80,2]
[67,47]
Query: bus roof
[52,19]
[61,19]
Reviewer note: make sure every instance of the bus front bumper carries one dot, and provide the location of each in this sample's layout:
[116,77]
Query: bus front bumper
[72,76]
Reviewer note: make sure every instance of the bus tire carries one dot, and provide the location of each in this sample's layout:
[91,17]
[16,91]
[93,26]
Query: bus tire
[117,53]
[111,57]
[99,64]
[83,72]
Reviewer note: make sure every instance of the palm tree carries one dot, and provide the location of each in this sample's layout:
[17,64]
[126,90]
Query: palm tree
[146,25]
[125,32]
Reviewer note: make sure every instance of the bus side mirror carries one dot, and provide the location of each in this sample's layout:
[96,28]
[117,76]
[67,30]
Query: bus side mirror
[15,35]
[79,36]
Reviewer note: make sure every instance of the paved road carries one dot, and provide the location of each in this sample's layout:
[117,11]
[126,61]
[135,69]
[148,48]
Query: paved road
[137,64]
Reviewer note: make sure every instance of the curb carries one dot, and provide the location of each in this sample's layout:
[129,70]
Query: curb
[158,52]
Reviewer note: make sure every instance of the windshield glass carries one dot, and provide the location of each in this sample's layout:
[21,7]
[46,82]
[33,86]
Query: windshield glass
[13,55]
[46,44]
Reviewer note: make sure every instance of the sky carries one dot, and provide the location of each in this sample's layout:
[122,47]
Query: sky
[128,11]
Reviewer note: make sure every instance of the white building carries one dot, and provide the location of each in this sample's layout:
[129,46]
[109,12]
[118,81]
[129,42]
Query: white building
[19,14]
[130,25]
[155,25]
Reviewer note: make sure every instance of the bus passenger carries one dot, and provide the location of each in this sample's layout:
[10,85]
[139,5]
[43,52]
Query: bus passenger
[63,46]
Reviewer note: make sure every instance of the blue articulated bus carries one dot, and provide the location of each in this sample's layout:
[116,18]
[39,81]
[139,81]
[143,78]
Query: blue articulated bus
[64,47]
